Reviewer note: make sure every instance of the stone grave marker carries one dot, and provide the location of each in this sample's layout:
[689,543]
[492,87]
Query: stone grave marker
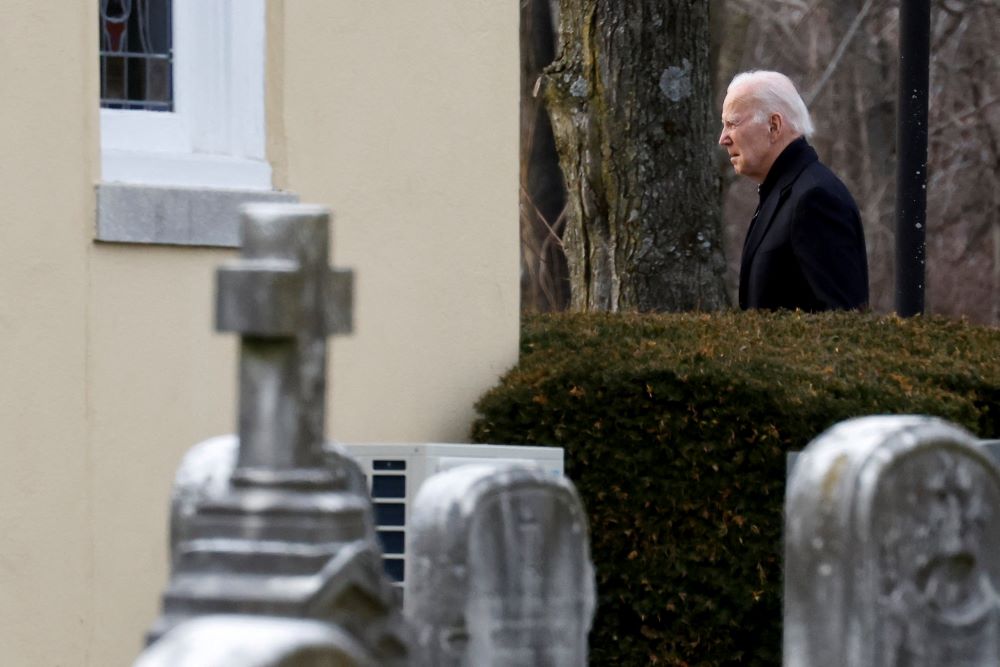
[500,569]
[248,641]
[275,522]
[892,531]
[993,447]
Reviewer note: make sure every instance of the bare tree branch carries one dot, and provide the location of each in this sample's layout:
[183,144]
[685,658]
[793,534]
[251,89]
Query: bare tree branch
[814,94]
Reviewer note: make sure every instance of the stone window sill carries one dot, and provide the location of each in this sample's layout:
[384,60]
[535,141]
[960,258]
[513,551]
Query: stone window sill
[175,215]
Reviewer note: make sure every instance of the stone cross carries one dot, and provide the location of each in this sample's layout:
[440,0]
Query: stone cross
[284,300]
[892,530]
[501,571]
[274,528]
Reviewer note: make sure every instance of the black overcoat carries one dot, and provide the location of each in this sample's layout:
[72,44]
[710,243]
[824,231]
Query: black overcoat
[805,247]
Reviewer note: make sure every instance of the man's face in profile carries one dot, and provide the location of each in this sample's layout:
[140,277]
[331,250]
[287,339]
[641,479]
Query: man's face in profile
[744,137]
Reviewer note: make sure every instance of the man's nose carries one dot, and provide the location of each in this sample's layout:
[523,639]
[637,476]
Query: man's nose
[723,138]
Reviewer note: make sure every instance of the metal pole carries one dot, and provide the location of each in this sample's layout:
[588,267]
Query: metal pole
[911,147]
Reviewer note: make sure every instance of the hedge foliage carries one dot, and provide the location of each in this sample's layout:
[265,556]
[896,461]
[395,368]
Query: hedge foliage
[676,428]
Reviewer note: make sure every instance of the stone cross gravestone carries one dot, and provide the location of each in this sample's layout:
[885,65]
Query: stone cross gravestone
[276,522]
[892,531]
[500,569]
[248,641]
[283,300]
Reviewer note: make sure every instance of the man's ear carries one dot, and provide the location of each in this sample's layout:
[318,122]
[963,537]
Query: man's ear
[775,123]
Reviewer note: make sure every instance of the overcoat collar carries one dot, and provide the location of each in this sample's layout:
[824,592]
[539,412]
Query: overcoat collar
[786,169]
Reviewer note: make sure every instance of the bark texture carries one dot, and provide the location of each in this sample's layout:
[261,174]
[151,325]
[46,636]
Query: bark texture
[630,101]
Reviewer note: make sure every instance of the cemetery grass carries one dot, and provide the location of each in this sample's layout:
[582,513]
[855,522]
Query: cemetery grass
[676,429]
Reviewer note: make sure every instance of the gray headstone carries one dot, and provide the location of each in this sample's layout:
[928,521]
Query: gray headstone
[992,448]
[891,535]
[247,641]
[275,521]
[500,569]
[283,300]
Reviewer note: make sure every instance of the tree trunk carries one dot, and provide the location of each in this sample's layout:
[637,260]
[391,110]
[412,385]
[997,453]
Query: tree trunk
[630,101]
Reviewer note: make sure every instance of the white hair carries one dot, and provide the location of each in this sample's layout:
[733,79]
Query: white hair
[773,92]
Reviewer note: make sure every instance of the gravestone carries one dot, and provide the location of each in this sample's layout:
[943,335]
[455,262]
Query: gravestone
[500,569]
[247,641]
[992,448]
[892,531]
[274,521]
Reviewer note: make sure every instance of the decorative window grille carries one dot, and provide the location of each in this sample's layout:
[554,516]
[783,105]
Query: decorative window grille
[136,55]
[203,62]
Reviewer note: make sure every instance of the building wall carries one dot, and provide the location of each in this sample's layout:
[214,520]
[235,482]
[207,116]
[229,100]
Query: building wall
[403,120]
[159,381]
[46,170]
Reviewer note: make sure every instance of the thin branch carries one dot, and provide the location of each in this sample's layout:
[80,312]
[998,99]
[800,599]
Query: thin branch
[555,229]
[960,118]
[540,216]
[839,54]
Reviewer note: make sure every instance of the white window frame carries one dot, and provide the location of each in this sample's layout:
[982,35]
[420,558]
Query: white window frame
[215,137]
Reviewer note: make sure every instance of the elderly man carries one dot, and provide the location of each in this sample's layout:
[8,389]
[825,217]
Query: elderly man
[805,247]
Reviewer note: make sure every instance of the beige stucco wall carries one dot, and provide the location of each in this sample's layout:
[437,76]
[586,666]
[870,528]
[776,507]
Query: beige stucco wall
[402,118]
[46,165]
[146,304]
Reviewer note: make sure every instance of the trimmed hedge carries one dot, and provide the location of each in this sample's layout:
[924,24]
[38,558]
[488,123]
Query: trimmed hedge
[676,428]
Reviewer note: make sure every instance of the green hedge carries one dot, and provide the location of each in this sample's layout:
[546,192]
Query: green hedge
[675,429]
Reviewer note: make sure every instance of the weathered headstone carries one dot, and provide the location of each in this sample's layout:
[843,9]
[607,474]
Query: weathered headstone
[283,300]
[500,569]
[276,522]
[892,531]
[992,448]
[247,641]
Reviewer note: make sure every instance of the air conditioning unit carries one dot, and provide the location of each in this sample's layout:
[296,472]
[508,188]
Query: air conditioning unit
[395,473]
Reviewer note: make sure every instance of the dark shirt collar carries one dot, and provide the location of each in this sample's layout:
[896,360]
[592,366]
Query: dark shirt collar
[792,154]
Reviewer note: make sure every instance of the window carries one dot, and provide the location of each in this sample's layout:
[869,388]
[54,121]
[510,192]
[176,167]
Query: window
[182,90]
[182,120]
[136,65]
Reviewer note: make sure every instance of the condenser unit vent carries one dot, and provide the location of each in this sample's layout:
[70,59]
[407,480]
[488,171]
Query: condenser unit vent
[395,473]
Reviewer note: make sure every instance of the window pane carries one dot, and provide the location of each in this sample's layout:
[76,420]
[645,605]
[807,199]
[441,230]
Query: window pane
[136,55]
